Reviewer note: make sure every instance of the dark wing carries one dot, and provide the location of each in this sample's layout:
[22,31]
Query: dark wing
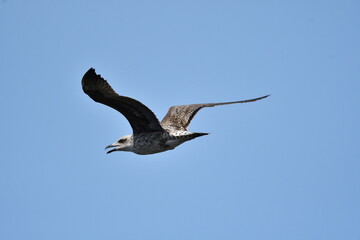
[140,117]
[179,117]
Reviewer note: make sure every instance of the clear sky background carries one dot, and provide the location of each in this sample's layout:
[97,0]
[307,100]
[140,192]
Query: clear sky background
[287,167]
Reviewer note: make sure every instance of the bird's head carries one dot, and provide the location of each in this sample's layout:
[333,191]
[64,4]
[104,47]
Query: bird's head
[125,143]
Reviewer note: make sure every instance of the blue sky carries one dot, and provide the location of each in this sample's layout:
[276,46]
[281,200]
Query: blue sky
[286,167]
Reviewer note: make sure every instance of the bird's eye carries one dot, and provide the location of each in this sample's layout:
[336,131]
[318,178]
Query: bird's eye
[121,140]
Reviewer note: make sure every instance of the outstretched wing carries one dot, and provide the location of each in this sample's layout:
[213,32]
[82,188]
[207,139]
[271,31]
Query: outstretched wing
[140,117]
[179,117]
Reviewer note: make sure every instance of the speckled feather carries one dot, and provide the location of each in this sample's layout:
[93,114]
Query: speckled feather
[179,117]
[149,135]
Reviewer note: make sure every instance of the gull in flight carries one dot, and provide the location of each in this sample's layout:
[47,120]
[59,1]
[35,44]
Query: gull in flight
[149,135]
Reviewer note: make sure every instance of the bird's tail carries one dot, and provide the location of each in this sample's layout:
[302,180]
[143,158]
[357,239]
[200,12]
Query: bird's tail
[189,136]
[200,134]
[194,135]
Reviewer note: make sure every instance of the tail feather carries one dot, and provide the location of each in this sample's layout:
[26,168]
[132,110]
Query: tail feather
[194,135]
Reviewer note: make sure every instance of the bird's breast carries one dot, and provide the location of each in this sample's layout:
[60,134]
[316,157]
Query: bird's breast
[149,143]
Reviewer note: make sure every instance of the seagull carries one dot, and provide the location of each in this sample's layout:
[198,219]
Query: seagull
[149,135]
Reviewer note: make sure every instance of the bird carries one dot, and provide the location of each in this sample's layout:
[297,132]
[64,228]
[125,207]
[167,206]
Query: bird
[149,135]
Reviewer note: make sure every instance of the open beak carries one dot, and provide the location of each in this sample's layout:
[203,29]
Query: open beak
[114,146]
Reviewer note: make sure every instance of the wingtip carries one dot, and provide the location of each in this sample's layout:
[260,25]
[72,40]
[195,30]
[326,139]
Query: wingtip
[90,73]
[88,76]
[91,70]
[263,97]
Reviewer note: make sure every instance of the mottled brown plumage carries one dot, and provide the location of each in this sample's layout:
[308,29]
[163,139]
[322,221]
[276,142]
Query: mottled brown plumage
[149,135]
[179,117]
